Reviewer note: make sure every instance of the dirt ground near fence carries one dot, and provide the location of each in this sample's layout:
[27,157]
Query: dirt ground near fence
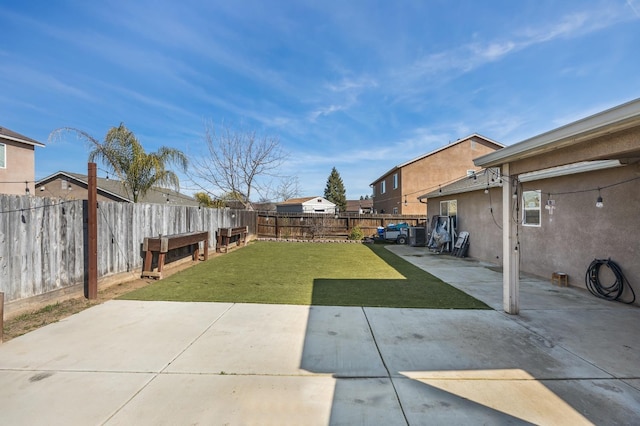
[51,313]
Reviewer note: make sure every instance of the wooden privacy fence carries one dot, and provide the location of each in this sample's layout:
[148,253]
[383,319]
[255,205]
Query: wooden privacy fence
[43,240]
[320,226]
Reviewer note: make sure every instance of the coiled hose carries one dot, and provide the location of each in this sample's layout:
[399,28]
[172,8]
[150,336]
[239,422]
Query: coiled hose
[608,292]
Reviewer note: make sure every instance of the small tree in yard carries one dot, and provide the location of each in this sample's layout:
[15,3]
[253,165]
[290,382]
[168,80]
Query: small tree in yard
[334,191]
[356,233]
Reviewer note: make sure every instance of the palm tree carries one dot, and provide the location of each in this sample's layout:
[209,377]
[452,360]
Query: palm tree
[122,154]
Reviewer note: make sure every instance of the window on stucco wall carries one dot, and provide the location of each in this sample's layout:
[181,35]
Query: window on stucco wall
[531,208]
[449,208]
[3,156]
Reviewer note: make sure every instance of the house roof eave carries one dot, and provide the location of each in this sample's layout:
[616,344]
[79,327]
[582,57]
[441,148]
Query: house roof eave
[17,137]
[612,120]
[81,179]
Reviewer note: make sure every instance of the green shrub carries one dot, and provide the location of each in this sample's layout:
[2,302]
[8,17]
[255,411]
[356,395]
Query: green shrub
[356,233]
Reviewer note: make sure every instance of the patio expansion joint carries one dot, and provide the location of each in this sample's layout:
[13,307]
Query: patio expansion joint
[389,376]
[162,370]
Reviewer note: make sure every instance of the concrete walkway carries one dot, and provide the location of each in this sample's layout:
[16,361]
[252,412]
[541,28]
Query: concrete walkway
[567,359]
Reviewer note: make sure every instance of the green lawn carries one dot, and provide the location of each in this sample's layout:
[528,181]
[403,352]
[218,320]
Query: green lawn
[331,274]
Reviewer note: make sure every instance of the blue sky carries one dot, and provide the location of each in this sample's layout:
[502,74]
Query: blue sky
[357,85]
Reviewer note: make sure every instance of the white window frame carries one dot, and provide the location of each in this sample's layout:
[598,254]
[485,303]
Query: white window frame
[448,205]
[383,187]
[395,210]
[395,181]
[3,148]
[528,208]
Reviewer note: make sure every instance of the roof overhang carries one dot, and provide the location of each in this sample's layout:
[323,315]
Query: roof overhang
[613,120]
[20,140]
[569,169]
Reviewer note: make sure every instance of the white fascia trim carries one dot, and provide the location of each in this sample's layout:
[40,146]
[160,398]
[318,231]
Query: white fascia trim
[569,169]
[11,138]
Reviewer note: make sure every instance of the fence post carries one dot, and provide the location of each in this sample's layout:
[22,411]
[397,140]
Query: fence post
[1,316]
[92,205]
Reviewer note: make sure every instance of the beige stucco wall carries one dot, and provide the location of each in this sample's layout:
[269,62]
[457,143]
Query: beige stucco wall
[20,167]
[574,235]
[424,175]
[474,216]
[578,231]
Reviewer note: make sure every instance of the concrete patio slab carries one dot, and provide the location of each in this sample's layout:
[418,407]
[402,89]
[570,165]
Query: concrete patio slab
[249,400]
[603,402]
[461,402]
[468,344]
[64,398]
[607,338]
[115,336]
[285,340]
[484,282]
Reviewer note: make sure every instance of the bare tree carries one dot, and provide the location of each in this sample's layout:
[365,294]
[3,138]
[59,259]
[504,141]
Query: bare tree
[236,162]
[280,190]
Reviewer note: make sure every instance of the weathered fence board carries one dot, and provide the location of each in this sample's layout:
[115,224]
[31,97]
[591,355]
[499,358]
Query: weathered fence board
[43,240]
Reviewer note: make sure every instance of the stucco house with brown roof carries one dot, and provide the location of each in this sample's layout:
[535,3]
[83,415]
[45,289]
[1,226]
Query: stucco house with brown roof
[363,206]
[73,186]
[562,199]
[396,191]
[17,162]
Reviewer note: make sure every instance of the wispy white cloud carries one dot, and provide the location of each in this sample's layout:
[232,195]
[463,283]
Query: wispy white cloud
[341,95]
[634,7]
[33,78]
[467,57]
[352,84]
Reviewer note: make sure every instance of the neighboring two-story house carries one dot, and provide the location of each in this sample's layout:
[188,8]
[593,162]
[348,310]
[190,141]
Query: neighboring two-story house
[397,191]
[17,163]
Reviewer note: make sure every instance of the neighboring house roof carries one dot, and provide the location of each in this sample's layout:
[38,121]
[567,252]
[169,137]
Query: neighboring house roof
[474,135]
[264,207]
[115,189]
[612,120]
[356,205]
[483,179]
[17,137]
